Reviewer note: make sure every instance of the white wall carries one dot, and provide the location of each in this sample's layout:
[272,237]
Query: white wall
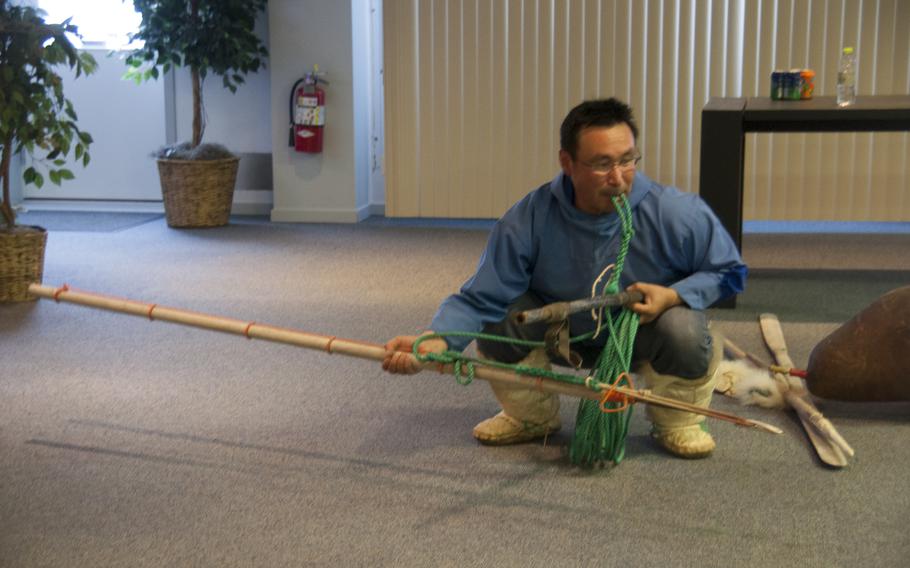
[127,124]
[331,186]
[15,180]
[360,47]
[377,111]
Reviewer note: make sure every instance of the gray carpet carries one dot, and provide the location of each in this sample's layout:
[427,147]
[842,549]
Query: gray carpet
[130,443]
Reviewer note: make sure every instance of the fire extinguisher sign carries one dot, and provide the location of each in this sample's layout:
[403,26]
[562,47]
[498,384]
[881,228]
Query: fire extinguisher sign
[309,112]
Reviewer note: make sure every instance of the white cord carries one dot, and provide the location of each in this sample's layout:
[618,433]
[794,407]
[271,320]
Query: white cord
[597,314]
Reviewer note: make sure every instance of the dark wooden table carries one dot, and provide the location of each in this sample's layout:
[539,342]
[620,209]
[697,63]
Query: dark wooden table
[725,122]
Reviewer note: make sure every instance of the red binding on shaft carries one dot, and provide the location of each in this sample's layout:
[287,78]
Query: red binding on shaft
[58,291]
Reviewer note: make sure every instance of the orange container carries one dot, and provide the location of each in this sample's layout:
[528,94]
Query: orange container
[807,83]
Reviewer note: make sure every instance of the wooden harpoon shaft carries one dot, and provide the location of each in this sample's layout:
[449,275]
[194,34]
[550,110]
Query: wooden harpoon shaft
[362,349]
[559,311]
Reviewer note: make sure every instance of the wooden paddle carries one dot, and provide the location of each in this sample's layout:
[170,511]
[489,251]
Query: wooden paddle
[829,444]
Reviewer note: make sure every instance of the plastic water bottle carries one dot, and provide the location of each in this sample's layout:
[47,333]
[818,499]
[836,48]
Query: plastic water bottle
[846,78]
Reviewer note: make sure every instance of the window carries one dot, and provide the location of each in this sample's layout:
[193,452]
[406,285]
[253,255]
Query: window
[103,24]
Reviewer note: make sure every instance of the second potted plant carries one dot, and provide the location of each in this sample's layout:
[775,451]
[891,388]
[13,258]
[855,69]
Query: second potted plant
[208,37]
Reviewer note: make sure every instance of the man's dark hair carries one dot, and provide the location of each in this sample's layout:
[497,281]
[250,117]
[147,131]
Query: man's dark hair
[602,112]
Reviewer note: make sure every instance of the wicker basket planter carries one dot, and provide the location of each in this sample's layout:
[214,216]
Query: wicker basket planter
[21,261]
[198,193]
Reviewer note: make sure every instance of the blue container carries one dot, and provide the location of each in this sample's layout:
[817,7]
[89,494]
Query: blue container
[777,84]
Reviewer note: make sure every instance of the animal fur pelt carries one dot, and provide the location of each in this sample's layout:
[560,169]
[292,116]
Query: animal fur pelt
[749,384]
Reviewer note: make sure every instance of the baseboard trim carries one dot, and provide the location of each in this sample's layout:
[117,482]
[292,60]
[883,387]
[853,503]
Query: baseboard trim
[376,210]
[290,215]
[93,206]
[251,202]
[317,215]
[246,202]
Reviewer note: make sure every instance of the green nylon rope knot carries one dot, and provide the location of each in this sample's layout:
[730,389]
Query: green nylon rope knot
[459,378]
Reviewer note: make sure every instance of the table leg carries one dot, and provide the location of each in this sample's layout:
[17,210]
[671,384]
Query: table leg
[721,174]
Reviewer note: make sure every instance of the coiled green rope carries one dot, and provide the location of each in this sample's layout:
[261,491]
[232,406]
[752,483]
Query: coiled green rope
[599,436]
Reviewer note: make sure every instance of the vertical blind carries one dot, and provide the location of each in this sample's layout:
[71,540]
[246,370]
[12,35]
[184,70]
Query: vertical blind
[476,90]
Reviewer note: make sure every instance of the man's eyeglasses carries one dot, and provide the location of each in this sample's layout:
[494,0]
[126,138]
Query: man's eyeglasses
[624,164]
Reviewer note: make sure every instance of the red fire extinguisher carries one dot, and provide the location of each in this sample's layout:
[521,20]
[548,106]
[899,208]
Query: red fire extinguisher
[307,111]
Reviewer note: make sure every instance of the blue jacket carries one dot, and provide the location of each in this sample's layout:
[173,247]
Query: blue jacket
[546,245]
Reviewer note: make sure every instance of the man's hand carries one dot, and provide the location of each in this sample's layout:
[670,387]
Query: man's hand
[399,357]
[657,299]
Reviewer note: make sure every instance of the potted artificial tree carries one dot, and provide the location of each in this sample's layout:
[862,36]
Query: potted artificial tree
[207,36]
[37,119]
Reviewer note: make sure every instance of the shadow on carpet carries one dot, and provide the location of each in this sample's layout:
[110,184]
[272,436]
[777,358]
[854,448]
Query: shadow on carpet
[819,296]
[86,222]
